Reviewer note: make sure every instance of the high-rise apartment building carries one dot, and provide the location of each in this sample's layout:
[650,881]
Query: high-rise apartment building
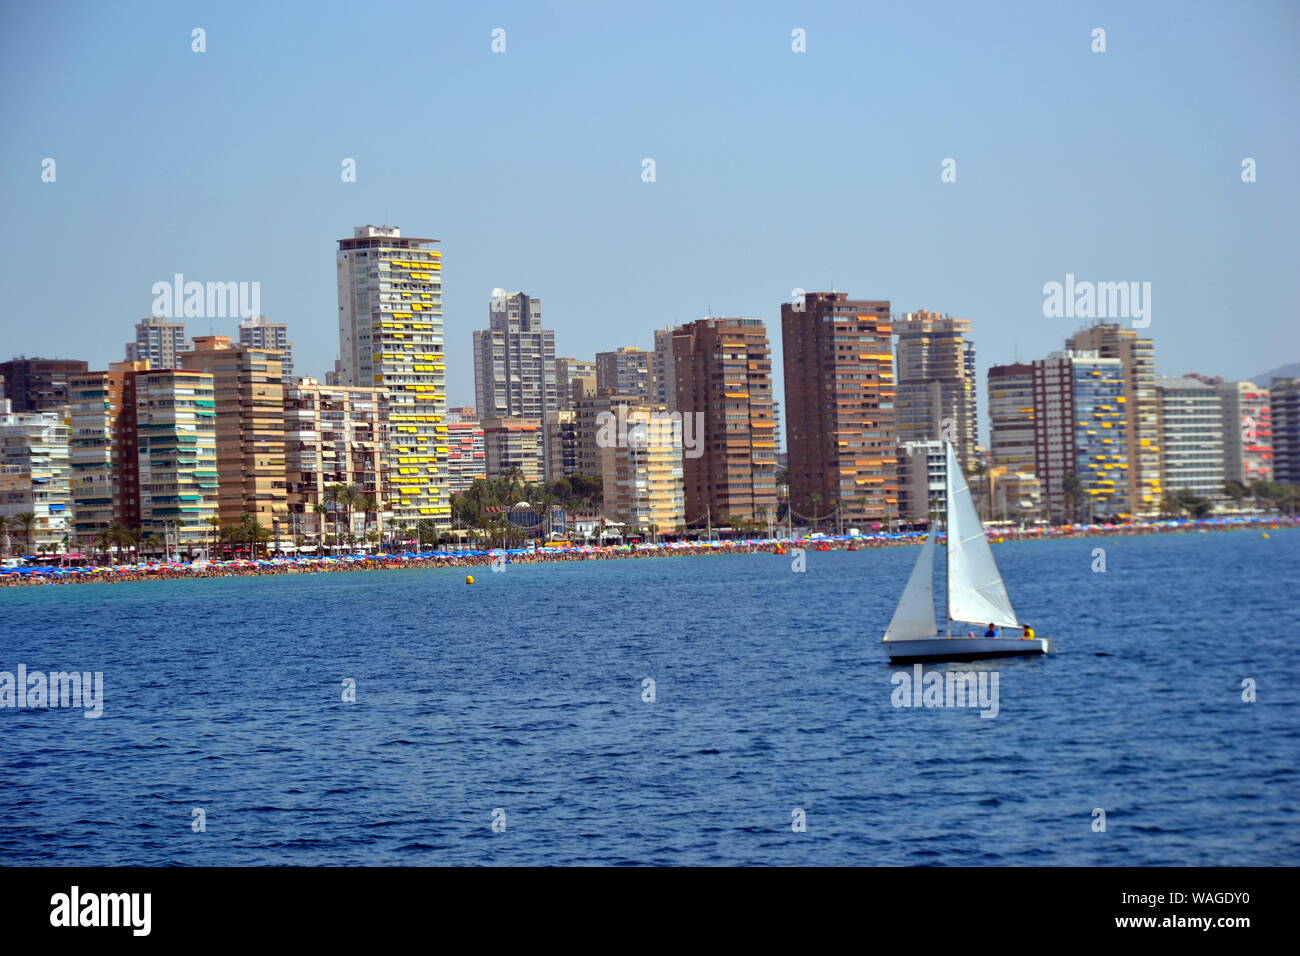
[1137,357]
[38,384]
[1284,404]
[260,332]
[514,360]
[103,453]
[466,454]
[1191,436]
[561,436]
[922,481]
[143,452]
[625,371]
[839,395]
[334,435]
[391,336]
[513,444]
[1081,436]
[566,370]
[662,381]
[36,476]
[589,411]
[175,423]
[158,341]
[641,468]
[1011,416]
[249,402]
[723,381]
[936,382]
[1247,432]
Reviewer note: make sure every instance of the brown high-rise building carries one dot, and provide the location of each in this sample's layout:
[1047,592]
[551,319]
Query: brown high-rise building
[1011,416]
[839,397]
[1137,357]
[37,384]
[103,450]
[936,382]
[723,392]
[249,396]
[143,453]
[625,371]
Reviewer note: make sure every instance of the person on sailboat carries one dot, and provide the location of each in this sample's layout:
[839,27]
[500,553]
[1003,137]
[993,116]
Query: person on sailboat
[992,631]
[1028,634]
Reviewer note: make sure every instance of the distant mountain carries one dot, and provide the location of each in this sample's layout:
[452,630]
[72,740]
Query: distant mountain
[1282,371]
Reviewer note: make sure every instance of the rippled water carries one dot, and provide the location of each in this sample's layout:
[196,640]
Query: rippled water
[523,692]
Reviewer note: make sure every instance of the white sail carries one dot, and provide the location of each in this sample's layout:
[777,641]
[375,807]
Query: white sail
[914,616]
[975,589]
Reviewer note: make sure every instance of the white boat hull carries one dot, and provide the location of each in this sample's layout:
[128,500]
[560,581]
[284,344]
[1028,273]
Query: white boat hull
[963,648]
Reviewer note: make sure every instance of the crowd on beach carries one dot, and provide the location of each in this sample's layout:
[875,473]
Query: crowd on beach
[153,571]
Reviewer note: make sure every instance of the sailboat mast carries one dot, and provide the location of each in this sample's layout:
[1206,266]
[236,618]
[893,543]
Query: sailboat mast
[947,540]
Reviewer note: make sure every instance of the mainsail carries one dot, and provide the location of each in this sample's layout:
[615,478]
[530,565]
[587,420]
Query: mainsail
[975,589]
[914,616]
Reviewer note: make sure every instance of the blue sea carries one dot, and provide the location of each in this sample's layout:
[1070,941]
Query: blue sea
[520,700]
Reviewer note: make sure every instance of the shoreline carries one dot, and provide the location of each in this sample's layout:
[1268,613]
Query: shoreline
[53,575]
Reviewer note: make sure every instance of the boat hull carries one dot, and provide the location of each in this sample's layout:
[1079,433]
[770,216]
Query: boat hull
[963,648]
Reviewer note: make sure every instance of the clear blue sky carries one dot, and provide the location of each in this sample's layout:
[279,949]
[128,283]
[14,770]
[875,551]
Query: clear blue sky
[775,170]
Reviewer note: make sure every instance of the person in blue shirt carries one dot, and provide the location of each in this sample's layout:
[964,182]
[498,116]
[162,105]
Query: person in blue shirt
[992,631]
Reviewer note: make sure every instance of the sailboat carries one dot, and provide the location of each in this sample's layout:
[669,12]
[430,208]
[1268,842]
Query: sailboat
[976,595]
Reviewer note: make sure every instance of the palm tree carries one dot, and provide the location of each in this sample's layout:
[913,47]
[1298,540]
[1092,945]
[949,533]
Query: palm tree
[367,504]
[1073,493]
[339,496]
[118,534]
[352,499]
[398,529]
[320,511]
[26,520]
[215,524]
[1236,491]
[1170,506]
[102,541]
[5,524]
[259,534]
[1261,492]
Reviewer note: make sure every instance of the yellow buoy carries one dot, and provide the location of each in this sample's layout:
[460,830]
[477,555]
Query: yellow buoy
[1264,534]
[469,579]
